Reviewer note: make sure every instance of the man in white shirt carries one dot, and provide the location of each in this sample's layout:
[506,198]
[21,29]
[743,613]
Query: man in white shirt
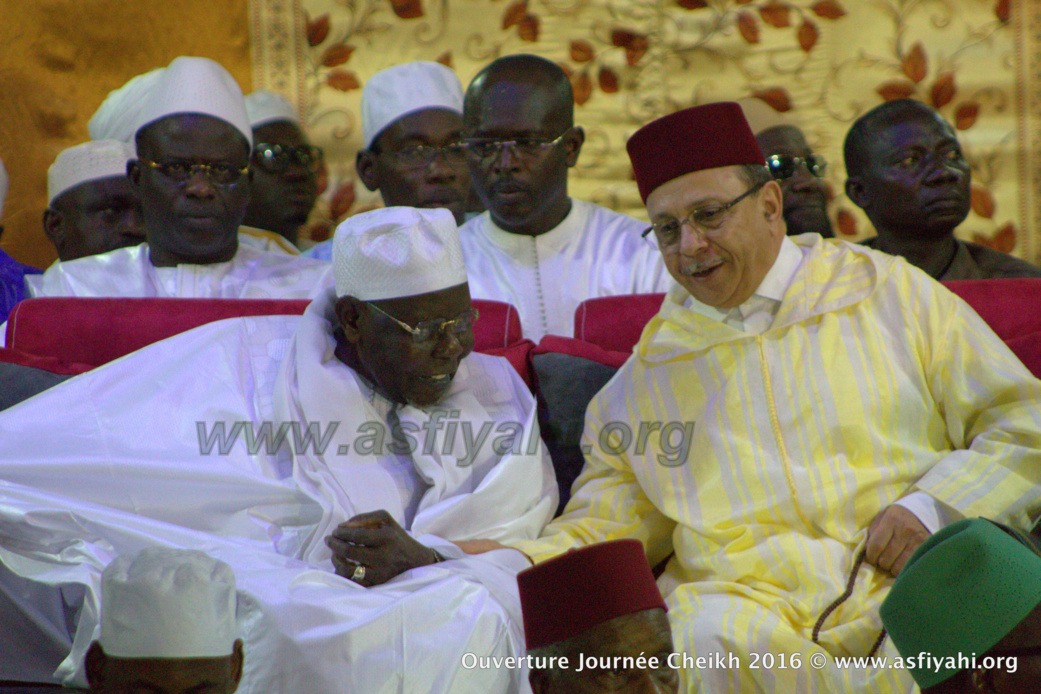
[535,247]
[192,173]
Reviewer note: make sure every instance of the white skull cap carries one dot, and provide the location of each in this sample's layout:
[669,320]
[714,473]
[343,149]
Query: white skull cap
[263,107]
[168,603]
[89,161]
[395,252]
[119,116]
[197,85]
[403,89]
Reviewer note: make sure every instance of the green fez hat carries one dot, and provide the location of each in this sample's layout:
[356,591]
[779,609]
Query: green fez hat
[965,588]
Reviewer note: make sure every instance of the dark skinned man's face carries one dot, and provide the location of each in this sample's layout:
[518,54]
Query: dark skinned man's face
[444,182]
[94,217]
[194,220]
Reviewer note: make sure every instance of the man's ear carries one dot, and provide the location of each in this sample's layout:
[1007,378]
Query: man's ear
[573,143]
[855,191]
[349,314]
[236,663]
[773,206]
[94,664]
[52,221]
[368,169]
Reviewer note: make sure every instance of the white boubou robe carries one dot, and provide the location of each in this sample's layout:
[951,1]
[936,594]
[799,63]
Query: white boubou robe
[129,455]
[250,274]
[594,252]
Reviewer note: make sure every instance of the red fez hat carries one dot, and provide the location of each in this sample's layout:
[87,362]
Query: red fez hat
[572,593]
[702,137]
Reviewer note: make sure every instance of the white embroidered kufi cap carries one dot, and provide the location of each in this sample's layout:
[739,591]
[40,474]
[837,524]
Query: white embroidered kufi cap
[403,89]
[89,161]
[197,85]
[168,603]
[3,187]
[119,116]
[395,252]
[263,107]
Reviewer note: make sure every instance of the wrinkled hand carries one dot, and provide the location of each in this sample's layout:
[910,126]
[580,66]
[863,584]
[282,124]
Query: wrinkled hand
[893,537]
[375,541]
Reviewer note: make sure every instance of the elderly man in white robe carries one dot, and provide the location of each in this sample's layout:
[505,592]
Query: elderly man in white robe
[340,440]
[192,172]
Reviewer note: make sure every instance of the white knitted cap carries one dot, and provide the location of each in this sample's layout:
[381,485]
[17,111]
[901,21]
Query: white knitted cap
[89,161]
[197,85]
[403,89]
[397,251]
[3,187]
[265,107]
[119,116]
[168,603]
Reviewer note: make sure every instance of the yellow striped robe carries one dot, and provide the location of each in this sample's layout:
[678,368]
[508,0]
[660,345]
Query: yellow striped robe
[873,381]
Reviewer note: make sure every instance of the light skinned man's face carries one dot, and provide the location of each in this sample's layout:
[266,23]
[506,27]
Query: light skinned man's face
[723,265]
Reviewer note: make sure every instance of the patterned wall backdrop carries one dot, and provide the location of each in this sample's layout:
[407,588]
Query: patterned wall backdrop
[819,62]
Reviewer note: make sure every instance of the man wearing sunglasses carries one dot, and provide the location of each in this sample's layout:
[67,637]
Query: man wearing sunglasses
[841,407]
[192,172]
[965,613]
[537,248]
[906,171]
[285,167]
[796,168]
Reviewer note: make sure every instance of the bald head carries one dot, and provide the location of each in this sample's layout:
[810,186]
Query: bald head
[545,79]
[856,149]
[518,117]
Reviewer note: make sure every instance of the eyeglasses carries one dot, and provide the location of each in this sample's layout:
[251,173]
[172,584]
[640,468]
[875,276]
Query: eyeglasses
[488,149]
[703,219]
[431,331]
[277,158]
[783,166]
[220,173]
[422,156]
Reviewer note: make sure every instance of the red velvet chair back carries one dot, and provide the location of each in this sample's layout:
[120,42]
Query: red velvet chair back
[615,322]
[1011,307]
[89,332]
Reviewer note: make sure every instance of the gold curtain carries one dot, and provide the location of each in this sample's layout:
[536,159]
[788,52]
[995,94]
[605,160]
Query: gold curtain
[822,62]
[59,60]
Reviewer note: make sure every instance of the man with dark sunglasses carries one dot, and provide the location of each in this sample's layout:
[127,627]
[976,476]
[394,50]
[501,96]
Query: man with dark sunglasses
[537,248]
[907,172]
[285,167]
[796,168]
[192,173]
[965,613]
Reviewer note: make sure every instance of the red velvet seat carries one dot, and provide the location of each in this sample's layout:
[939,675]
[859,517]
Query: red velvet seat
[73,334]
[1011,307]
